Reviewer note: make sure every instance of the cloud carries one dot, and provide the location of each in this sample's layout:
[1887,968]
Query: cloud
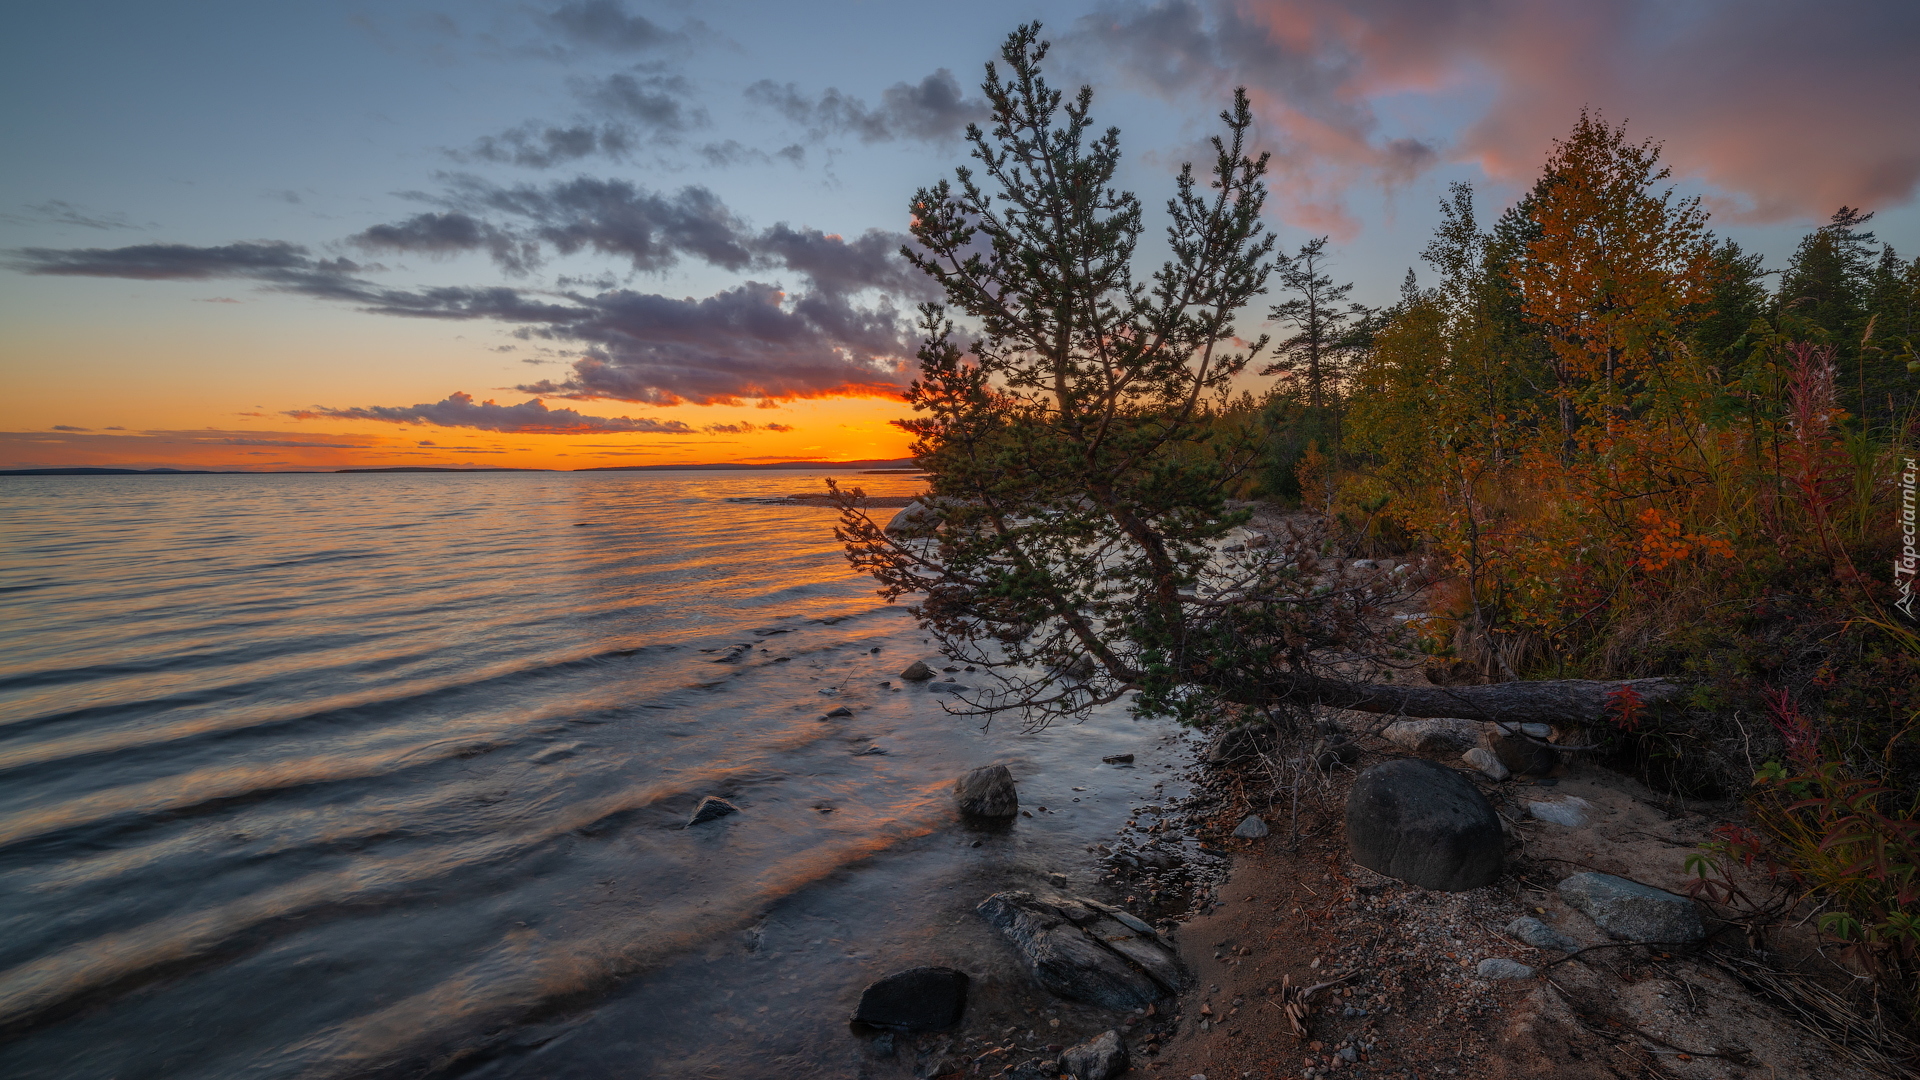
[61,212]
[180,262]
[744,428]
[1787,107]
[933,110]
[450,233]
[605,24]
[543,146]
[527,418]
[754,342]
[653,101]
[746,342]
[69,427]
[651,230]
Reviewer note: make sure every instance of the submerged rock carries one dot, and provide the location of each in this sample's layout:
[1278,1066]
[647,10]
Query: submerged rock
[987,792]
[1086,951]
[1633,912]
[711,807]
[1102,1057]
[918,999]
[1424,824]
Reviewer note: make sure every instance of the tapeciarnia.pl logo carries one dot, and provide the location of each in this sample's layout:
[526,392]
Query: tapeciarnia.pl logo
[1905,566]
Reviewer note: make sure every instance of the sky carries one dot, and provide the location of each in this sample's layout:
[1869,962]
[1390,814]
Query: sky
[577,233]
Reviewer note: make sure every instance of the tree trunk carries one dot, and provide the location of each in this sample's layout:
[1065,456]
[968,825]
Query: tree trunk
[1556,701]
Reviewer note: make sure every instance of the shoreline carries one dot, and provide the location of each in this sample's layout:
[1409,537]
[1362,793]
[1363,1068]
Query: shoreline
[1257,920]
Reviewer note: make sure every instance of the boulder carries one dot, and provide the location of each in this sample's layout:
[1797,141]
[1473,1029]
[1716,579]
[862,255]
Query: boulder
[1495,967]
[917,671]
[1633,912]
[917,999]
[1540,935]
[1102,1057]
[912,517]
[1517,752]
[1252,828]
[1489,766]
[987,792]
[1424,824]
[1033,1069]
[711,807]
[1436,736]
[1086,951]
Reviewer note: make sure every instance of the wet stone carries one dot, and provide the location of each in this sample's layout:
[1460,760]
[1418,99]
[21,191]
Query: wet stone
[710,808]
[987,792]
[918,999]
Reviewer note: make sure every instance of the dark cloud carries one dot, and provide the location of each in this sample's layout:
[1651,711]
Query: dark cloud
[69,427]
[657,102]
[527,418]
[1786,106]
[543,146]
[178,262]
[450,233]
[748,342]
[606,24]
[743,428]
[753,342]
[933,109]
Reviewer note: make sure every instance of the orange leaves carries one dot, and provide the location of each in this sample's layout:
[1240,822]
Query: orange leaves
[1663,543]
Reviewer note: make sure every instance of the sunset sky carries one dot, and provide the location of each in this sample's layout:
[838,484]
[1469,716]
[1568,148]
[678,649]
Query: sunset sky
[567,233]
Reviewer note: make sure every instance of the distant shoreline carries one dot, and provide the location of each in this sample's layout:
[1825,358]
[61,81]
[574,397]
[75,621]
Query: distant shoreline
[874,465]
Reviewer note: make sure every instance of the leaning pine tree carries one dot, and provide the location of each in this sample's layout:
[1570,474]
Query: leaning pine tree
[1072,542]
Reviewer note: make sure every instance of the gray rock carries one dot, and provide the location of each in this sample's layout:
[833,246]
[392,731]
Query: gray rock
[1424,824]
[1033,1069]
[1540,935]
[1118,759]
[1251,829]
[1571,812]
[1633,912]
[1102,1057]
[1497,967]
[1086,951]
[917,999]
[838,712]
[987,792]
[711,807]
[1437,736]
[1483,760]
[912,517]
[917,671]
[1517,752]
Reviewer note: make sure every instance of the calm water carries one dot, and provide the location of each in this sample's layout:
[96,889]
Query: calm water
[325,776]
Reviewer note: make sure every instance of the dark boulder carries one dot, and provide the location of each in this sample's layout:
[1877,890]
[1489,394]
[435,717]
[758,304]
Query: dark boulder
[987,792]
[711,807]
[1424,824]
[1086,951]
[918,671]
[918,999]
